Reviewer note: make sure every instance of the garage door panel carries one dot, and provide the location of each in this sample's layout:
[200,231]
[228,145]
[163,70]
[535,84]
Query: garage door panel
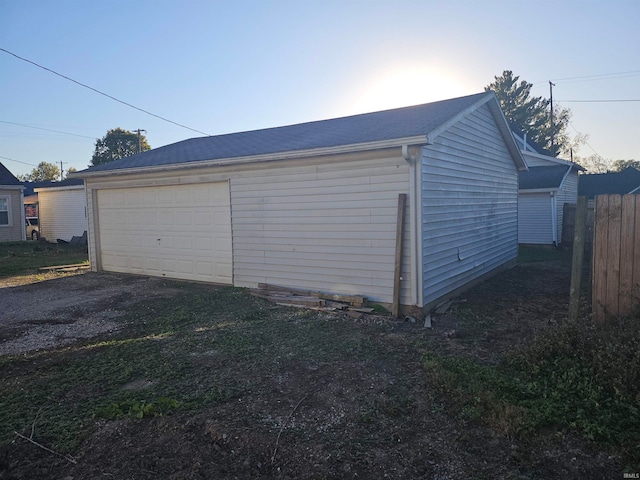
[181,231]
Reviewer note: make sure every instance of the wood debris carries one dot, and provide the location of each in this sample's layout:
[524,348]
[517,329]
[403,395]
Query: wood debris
[313,300]
[66,268]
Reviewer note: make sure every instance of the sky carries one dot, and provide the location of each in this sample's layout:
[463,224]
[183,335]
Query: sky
[220,67]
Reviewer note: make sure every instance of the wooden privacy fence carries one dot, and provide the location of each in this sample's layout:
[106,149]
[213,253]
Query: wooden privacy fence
[616,256]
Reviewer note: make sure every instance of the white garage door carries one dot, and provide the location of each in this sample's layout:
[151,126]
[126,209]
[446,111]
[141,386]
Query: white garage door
[535,225]
[178,231]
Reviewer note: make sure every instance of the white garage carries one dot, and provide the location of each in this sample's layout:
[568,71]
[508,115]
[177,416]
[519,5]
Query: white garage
[315,206]
[179,231]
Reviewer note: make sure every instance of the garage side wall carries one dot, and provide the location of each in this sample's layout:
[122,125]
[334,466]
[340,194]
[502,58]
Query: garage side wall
[63,213]
[469,205]
[568,193]
[328,227]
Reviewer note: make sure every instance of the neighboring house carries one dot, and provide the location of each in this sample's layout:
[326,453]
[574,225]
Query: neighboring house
[544,189]
[314,205]
[62,209]
[11,210]
[621,183]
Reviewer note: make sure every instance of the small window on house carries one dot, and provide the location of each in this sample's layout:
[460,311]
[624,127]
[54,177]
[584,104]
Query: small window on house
[4,211]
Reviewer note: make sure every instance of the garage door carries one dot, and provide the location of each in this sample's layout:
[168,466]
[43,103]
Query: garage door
[535,224]
[179,231]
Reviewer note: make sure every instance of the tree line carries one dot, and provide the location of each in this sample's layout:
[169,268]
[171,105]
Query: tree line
[527,113]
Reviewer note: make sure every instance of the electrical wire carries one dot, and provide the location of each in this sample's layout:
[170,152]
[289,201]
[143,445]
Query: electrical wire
[629,73]
[18,161]
[46,129]
[599,101]
[102,93]
[586,143]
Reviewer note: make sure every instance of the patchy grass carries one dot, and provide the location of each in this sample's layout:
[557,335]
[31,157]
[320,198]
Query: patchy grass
[17,258]
[163,348]
[215,383]
[574,377]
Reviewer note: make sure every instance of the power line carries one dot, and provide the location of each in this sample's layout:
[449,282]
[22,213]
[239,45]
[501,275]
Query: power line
[585,141]
[18,161]
[46,129]
[594,77]
[600,101]
[102,93]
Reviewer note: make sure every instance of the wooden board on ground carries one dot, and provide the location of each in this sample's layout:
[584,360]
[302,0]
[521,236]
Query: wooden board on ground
[354,300]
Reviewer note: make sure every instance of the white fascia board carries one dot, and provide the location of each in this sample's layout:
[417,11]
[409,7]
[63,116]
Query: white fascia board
[557,161]
[635,190]
[538,190]
[58,189]
[270,157]
[12,187]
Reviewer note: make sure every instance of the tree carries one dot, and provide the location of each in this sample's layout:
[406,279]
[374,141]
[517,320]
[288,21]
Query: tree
[117,144]
[531,114]
[70,170]
[44,171]
[620,165]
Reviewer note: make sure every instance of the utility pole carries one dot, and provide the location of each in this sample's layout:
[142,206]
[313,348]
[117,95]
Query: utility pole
[61,170]
[138,131]
[551,85]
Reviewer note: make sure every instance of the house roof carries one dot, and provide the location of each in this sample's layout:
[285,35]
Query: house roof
[378,128]
[542,178]
[29,187]
[7,178]
[621,183]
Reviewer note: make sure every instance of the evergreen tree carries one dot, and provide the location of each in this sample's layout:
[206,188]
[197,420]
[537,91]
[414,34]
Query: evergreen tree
[531,114]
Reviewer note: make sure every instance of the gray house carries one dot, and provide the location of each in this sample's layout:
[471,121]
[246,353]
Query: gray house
[11,211]
[314,205]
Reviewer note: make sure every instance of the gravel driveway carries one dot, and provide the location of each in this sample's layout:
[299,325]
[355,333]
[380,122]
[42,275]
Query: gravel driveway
[58,311]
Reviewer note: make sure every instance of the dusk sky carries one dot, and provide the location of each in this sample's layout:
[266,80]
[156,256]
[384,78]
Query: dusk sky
[220,67]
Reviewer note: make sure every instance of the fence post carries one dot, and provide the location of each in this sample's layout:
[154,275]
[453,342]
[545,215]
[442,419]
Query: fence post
[578,257]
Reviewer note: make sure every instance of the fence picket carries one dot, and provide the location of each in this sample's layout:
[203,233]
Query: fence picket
[616,256]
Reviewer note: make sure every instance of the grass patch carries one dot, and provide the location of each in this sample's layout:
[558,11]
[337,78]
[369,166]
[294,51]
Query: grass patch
[203,347]
[18,258]
[575,377]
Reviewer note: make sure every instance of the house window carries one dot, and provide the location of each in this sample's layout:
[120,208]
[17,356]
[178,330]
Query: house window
[4,211]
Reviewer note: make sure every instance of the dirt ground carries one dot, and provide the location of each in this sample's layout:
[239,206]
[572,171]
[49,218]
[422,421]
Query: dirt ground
[307,420]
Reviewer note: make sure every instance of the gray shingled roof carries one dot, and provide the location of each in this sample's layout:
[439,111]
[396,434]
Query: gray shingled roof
[30,186]
[542,177]
[7,178]
[369,127]
[619,183]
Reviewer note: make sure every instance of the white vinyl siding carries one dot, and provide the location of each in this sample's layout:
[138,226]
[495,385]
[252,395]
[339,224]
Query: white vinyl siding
[178,231]
[535,219]
[469,205]
[323,227]
[567,194]
[62,213]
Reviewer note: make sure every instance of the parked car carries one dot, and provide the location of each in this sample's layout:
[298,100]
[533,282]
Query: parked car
[32,227]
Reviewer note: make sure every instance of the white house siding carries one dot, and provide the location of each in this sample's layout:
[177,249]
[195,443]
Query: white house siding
[469,205]
[13,231]
[568,193]
[534,219]
[328,227]
[63,213]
